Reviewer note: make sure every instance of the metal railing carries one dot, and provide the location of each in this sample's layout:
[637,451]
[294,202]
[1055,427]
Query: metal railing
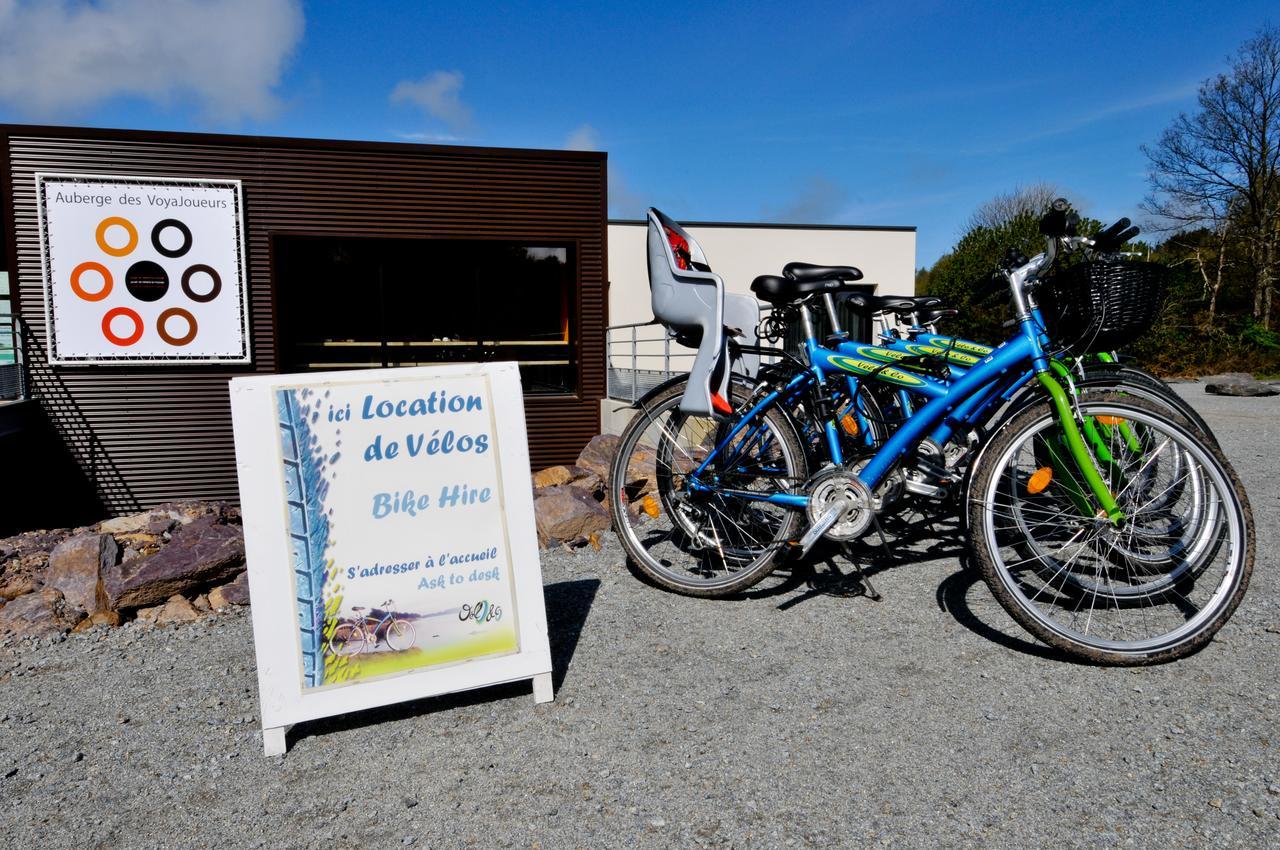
[13,366]
[642,355]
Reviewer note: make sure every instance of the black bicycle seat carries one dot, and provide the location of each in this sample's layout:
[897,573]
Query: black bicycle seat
[809,271]
[866,302]
[784,290]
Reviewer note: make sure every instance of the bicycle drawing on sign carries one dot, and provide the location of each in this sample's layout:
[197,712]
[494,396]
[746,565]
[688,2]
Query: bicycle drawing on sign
[369,628]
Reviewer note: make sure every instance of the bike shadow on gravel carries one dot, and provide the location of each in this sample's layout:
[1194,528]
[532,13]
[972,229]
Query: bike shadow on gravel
[953,598]
[892,543]
[568,603]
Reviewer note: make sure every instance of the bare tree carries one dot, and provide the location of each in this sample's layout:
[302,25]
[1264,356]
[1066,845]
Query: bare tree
[1002,209]
[1220,167]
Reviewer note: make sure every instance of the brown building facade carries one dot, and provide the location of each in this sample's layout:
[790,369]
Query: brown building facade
[356,255]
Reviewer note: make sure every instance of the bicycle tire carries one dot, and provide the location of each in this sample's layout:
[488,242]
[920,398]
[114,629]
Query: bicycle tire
[699,525]
[397,629]
[341,640]
[1182,640]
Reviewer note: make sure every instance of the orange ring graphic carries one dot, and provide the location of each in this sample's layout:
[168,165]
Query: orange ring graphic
[90,266]
[123,341]
[169,314]
[101,235]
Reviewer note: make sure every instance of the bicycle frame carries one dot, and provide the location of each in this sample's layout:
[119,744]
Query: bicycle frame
[949,404]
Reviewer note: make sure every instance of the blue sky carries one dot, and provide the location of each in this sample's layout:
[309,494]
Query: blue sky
[860,113]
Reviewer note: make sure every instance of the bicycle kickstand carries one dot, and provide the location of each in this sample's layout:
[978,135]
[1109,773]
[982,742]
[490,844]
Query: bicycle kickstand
[859,575]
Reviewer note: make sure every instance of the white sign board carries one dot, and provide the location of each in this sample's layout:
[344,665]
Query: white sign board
[388,520]
[143,270]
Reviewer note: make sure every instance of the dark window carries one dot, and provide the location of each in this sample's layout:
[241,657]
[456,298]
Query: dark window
[352,303]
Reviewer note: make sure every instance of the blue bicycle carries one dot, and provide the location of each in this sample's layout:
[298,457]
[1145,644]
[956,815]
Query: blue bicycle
[1107,525]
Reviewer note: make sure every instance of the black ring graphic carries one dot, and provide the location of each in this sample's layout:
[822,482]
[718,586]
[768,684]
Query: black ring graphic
[212,293]
[182,228]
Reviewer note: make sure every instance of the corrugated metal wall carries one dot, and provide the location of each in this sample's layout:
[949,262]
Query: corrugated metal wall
[147,435]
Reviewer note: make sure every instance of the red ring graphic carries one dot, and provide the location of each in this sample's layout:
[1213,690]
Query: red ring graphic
[169,314]
[213,275]
[91,266]
[125,341]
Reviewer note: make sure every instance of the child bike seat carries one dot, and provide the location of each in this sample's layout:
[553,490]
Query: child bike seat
[689,299]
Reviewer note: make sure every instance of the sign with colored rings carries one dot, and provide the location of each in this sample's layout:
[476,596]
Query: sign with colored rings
[882,372]
[143,270]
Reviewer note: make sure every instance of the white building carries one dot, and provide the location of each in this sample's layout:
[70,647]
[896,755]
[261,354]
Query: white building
[738,253]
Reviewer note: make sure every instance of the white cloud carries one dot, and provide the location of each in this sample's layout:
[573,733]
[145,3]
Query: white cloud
[437,95]
[584,138]
[225,56]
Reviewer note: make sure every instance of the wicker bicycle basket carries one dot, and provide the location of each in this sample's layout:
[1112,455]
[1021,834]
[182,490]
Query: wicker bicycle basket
[1101,306]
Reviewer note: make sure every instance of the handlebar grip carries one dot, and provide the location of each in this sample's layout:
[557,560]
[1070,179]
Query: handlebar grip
[1104,241]
[1112,244]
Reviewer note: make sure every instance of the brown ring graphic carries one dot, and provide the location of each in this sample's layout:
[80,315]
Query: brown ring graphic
[122,340]
[212,293]
[169,314]
[101,235]
[91,266]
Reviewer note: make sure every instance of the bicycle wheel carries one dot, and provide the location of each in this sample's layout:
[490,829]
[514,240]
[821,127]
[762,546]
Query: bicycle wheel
[1133,376]
[1067,575]
[704,541]
[347,640]
[400,635]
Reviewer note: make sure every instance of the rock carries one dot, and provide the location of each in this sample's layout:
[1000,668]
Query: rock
[44,612]
[234,593]
[201,603]
[237,592]
[23,559]
[149,615]
[1238,384]
[17,584]
[202,553]
[551,477]
[126,524]
[76,567]
[567,513]
[102,618]
[598,454]
[176,610]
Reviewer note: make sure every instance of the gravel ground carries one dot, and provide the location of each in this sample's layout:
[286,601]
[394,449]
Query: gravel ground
[792,718]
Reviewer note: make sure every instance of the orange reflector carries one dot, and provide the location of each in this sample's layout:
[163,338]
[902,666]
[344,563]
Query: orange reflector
[1040,479]
[1110,420]
[650,506]
[719,405]
[849,424]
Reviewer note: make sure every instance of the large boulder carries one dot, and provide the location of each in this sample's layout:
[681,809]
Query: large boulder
[567,513]
[76,567]
[204,552]
[1238,384]
[44,612]
[598,454]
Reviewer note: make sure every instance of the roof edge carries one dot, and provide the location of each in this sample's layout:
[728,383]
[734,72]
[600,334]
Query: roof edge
[303,142]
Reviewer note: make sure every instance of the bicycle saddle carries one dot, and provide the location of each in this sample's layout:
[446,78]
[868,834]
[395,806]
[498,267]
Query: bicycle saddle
[783,290]
[809,271]
[927,302]
[929,316]
[866,302]
[358,608]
